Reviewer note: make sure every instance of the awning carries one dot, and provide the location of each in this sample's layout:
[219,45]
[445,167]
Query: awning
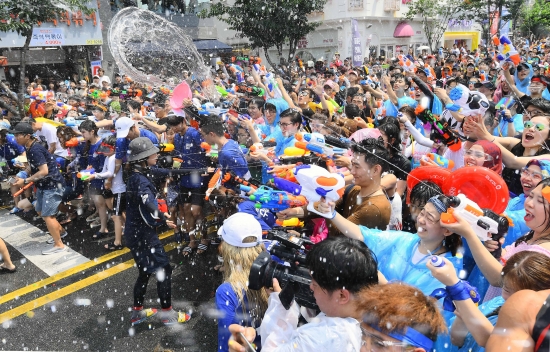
[212,45]
[403,30]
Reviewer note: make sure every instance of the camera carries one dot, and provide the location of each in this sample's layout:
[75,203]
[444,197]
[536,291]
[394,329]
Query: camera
[294,279]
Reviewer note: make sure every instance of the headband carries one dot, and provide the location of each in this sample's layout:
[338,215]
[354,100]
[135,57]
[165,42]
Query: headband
[412,337]
[438,204]
[538,79]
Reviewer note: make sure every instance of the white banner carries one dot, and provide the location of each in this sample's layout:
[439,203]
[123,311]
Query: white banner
[47,37]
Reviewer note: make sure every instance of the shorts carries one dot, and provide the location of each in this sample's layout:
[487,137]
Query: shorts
[105,193]
[194,196]
[149,260]
[48,200]
[119,204]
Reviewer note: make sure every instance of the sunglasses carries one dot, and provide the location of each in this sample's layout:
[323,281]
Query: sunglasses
[303,93]
[539,126]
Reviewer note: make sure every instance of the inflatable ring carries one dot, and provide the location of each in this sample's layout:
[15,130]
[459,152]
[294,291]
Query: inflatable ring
[438,175]
[482,185]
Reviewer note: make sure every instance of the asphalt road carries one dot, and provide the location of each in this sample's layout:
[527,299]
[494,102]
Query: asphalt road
[86,307]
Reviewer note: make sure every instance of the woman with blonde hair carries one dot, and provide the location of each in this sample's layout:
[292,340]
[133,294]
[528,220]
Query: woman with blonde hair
[237,304]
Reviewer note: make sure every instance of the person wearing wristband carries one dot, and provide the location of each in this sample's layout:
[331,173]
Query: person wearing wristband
[473,325]
[415,328]
[516,153]
[402,256]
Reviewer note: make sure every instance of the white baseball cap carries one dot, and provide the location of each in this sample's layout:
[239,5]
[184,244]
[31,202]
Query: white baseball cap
[123,125]
[239,226]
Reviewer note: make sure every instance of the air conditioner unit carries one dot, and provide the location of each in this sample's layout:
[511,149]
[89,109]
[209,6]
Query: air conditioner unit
[392,5]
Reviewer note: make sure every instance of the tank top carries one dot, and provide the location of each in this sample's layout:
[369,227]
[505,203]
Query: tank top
[512,176]
[541,330]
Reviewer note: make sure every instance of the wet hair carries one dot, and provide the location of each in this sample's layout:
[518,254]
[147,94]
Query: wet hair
[295,116]
[136,105]
[544,183]
[89,126]
[401,76]
[423,191]
[212,123]
[392,130]
[258,101]
[110,140]
[174,120]
[454,241]
[409,111]
[342,263]
[394,307]
[320,117]
[527,270]
[352,91]
[352,110]
[540,103]
[267,106]
[374,151]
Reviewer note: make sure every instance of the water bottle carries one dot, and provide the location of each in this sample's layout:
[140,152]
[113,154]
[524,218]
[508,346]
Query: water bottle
[437,261]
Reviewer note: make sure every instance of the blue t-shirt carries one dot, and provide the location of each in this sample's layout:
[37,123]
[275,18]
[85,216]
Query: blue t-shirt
[96,161]
[123,143]
[231,158]
[502,129]
[37,156]
[189,145]
[232,312]
[11,149]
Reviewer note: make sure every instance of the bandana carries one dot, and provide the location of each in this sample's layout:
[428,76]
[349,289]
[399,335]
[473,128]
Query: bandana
[438,204]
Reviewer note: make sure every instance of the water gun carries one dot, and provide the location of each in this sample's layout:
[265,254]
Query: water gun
[231,178]
[214,183]
[271,84]
[483,221]
[268,198]
[316,183]
[39,95]
[73,142]
[287,186]
[95,94]
[482,76]
[507,51]
[437,261]
[65,106]
[166,147]
[19,161]
[293,151]
[440,128]
[27,186]
[505,102]
[293,222]
[405,63]
[238,72]
[315,142]
[74,121]
[339,142]
[256,91]
[439,160]
[430,73]
[85,174]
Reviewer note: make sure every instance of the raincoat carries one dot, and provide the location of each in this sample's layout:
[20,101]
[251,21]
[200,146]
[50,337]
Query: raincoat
[280,333]
[394,251]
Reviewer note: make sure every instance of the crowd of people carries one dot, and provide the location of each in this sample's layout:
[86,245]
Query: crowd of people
[387,272]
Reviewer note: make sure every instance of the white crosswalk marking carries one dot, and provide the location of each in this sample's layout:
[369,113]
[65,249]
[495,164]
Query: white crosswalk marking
[29,240]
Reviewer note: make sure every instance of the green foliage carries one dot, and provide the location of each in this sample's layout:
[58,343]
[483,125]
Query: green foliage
[268,24]
[536,18]
[22,15]
[434,15]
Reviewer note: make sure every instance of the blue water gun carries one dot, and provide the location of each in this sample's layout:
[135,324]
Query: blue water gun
[268,198]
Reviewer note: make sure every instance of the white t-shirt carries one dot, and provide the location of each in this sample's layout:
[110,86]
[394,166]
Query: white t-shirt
[49,132]
[117,186]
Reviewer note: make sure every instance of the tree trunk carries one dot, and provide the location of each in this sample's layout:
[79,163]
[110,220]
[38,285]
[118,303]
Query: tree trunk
[268,58]
[13,96]
[22,67]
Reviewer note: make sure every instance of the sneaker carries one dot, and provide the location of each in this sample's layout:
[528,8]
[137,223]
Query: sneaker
[50,241]
[172,317]
[95,223]
[54,250]
[139,316]
[15,210]
[92,217]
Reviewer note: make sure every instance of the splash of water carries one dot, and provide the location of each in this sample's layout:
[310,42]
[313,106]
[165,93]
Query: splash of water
[152,50]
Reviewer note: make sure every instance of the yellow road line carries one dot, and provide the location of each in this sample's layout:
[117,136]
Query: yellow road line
[67,290]
[69,272]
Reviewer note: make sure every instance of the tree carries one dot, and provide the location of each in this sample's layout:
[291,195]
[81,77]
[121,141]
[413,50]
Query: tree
[268,24]
[22,16]
[435,16]
[536,19]
[484,12]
